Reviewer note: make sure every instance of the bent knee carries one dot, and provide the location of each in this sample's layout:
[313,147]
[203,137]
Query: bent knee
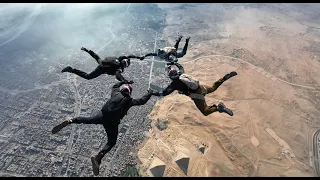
[112,143]
[87,77]
[205,113]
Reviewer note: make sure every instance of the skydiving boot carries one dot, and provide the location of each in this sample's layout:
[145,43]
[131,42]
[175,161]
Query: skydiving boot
[96,161]
[179,39]
[223,109]
[58,128]
[230,75]
[67,69]
[188,38]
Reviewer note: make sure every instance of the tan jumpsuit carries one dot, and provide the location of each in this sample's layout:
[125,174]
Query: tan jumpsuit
[198,97]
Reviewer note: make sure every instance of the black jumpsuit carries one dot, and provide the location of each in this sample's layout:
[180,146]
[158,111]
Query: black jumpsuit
[178,55]
[111,114]
[110,65]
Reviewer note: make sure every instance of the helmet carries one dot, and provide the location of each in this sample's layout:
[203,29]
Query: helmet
[161,53]
[126,89]
[125,63]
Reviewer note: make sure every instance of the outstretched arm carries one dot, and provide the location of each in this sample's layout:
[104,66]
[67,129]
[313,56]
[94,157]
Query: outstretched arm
[119,75]
[151,54]
[169,89]
[133,56]
[92,54]
[144,99]
[181,69]
[128,57]
[117,85]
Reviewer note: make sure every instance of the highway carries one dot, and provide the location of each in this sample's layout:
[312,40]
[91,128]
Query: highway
[315,151]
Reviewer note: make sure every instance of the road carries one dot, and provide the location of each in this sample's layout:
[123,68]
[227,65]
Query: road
[315,151]
[138,110]
[77,114]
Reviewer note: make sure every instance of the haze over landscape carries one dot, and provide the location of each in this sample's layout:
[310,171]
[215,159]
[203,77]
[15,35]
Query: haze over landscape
[275,97]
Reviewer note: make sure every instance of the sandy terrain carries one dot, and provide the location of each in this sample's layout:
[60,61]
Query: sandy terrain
[275,97]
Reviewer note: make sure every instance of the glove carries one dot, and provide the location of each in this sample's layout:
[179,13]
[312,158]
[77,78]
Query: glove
[150,91]
[130,82]
[170,63]
[142,58]
[84,49]
[157,93]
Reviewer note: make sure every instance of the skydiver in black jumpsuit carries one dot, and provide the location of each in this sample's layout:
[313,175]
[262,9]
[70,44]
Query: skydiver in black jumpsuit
[110,65]
[109,116]
[172,57]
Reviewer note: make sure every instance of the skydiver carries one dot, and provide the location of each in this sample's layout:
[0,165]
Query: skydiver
[110,65]
[171,57]
[198,95]
[109,116]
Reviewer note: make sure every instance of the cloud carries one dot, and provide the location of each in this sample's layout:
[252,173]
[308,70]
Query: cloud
[49,27]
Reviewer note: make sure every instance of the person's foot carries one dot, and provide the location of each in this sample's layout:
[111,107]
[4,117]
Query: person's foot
[58,128]
[180,37]
[67,69]
[95,165]
[230,75]
[188,38]
[223,109]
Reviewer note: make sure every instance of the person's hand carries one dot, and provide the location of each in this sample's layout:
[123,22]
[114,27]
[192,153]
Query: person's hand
[170,63]
[176,63]
[156,93]
[230,75]
[150,91]
[128,82]
[84,49]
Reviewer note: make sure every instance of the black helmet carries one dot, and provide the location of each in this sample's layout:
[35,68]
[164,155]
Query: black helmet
[126,89]
[125,63]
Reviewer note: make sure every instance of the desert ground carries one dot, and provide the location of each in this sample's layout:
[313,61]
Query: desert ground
[275,96]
